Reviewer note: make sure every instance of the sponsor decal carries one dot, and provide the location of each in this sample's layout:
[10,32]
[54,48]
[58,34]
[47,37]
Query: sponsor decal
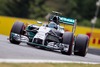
[95,38]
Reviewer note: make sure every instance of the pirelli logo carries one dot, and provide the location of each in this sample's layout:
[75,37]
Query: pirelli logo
[95,39]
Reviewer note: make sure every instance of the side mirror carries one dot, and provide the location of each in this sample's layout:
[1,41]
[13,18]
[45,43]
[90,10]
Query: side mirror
[39,22]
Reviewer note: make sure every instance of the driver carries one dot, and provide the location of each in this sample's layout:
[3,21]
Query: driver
[53,25]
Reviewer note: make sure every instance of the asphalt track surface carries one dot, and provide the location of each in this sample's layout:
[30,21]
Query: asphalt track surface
[23,51]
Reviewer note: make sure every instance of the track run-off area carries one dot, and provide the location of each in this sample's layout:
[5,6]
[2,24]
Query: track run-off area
[24,53]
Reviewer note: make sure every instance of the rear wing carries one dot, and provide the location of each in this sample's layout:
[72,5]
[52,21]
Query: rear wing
[69,21]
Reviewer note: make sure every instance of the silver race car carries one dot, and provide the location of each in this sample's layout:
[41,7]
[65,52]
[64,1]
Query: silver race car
[51,36]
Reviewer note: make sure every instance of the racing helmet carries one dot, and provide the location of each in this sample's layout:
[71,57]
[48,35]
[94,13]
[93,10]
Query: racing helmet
[53,25]
[54,19]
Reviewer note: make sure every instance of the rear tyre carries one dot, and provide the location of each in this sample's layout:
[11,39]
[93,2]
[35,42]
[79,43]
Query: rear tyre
[81,45]
[67,40]
[17,28]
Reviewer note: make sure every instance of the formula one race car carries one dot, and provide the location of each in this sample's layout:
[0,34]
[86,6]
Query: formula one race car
[51,36]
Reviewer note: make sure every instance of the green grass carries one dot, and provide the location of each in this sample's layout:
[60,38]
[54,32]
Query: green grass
[47,65]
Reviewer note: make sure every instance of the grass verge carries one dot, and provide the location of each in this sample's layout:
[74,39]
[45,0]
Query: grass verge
[47,65]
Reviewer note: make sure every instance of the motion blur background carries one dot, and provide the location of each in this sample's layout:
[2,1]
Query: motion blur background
[82,10]
[87,13]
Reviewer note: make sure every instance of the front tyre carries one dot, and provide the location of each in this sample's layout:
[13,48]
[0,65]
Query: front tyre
[81,45]
[17,28]
[67,40]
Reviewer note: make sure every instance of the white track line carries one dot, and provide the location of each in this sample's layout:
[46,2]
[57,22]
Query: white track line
[41,61]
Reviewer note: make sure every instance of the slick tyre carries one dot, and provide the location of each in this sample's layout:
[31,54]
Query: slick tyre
[67,40]
[17,28]
[81,45]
